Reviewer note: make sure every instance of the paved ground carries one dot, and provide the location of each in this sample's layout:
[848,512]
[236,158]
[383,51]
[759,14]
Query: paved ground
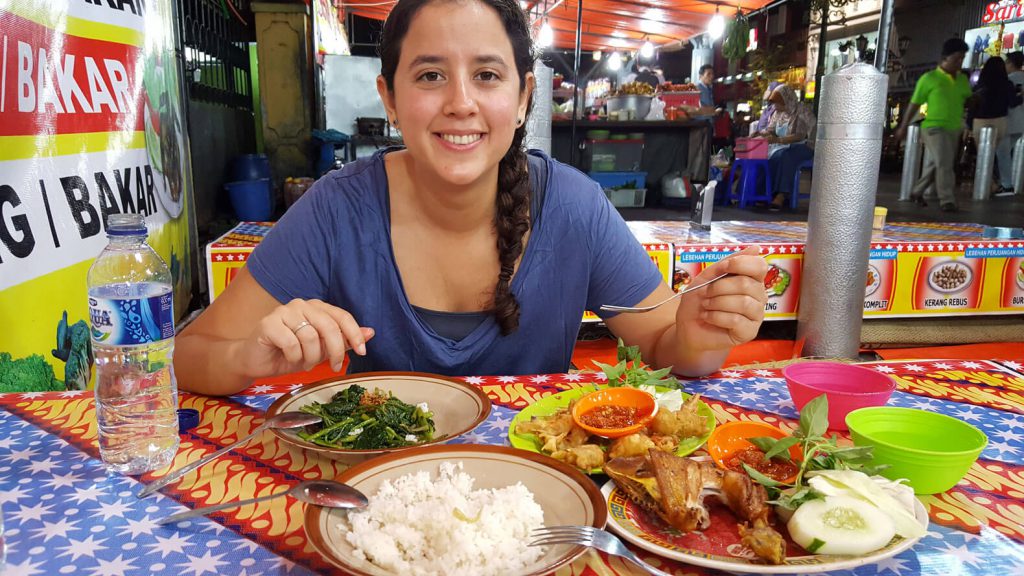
[993,212]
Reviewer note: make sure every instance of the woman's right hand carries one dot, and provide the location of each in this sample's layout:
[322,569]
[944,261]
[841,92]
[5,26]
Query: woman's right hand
[299,335]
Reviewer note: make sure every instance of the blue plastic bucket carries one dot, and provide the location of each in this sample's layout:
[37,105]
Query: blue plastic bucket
[248,167]
[251,199]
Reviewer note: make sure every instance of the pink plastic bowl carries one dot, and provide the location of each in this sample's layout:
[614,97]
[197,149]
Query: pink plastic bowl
[848,387]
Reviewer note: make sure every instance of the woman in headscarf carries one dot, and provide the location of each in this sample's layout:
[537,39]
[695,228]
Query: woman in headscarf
[790,134]
[767,108]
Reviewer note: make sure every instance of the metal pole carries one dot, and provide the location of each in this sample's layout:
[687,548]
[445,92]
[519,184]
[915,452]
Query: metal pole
[843,191]
[884,32]
[1018,166]
[986,159]
[911,162]
[819,71]
[576,83]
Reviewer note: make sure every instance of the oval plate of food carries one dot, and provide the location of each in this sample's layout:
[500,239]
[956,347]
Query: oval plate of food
[558,403]
[470,505]
[719,547]
[453,408]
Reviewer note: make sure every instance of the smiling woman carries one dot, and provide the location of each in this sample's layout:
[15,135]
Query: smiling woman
[461,253]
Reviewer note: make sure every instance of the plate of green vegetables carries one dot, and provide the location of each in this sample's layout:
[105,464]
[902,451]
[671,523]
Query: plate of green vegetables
[366,415]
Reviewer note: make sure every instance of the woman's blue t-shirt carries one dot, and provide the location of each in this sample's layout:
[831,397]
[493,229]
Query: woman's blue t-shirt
[334,244]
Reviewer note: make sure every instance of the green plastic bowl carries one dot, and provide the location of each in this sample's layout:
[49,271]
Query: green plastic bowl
[932,451]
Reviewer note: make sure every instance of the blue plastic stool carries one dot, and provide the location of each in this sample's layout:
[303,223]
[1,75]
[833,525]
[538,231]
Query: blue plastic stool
[796,196]
[748,186]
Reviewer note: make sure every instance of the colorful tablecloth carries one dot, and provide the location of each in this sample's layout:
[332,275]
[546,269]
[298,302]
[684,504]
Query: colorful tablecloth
[65,514]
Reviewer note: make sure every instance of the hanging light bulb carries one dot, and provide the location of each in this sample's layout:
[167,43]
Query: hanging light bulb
[546,37]
[647,50]
[717,25]
[614,61]
[597,55]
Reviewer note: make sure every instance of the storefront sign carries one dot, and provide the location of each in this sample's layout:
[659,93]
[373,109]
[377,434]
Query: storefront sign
[91,125]
[1002,12]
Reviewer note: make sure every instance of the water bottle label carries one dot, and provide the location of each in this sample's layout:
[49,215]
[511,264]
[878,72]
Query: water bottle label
[131,321]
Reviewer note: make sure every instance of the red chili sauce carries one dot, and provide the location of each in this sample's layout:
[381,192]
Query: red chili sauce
[609,416]
[778,470]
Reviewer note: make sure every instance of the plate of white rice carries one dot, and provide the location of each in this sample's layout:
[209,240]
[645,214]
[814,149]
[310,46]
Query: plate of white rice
[460,510]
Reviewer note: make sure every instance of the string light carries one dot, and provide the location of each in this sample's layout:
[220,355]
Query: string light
[614,61]
[647,50]
[546,37]
[717,25]
[597,55]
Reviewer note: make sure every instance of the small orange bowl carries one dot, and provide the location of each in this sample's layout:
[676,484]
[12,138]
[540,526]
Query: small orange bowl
[731,437]
[624,397]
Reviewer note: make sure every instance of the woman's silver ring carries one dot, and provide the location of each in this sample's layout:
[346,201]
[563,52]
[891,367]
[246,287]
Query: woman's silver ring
[301,325]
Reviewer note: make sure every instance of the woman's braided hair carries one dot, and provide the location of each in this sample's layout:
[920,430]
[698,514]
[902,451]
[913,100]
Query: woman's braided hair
[512,213]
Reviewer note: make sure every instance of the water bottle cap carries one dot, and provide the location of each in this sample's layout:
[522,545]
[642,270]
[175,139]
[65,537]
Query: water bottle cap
[188,418]
[125,225]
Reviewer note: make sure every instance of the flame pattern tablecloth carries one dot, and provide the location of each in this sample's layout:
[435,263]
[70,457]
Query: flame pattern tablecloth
[65,514]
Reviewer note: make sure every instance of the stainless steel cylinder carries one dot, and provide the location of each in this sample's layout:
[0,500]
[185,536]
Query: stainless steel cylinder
[538,125]
[1018,166]
[986,160]
[911,162]
[843,188]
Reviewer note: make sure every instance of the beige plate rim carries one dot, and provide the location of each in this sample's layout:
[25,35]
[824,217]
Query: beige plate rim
[483,401]
[312,516]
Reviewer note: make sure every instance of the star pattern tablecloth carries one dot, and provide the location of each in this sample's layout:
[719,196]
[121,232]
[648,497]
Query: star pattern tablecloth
[65,514]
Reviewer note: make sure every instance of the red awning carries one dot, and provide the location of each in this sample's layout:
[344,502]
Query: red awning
[613,24]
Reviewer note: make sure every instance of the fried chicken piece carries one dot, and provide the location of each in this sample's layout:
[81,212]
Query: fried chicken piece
[749,501]
[665,423]
[674,488]
[633,445]
[765,541]
[556,424]
[664,484]
[691,423]
[584,457]
[575,437]
[555,432]
[681,482]
[665,443]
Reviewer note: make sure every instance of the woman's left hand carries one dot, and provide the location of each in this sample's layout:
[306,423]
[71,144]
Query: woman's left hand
[727,312]
[773,139]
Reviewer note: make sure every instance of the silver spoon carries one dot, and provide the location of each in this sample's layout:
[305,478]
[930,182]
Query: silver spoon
[283,420]
[319,492]
[630,309]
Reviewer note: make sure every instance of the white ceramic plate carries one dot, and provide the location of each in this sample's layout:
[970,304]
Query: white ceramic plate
[718,547]
[875,281]
[565,494]
[960,266]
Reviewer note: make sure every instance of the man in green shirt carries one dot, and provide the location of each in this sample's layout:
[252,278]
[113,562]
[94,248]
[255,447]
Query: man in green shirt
[945,90]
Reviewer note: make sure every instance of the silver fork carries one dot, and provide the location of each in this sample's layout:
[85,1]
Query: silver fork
[635,309]
[593,537]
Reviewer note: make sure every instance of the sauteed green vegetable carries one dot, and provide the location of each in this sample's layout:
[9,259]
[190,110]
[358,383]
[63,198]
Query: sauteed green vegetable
[356,419]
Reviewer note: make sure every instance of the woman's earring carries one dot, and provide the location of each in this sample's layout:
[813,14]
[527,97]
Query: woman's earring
[519,122]
[395,123]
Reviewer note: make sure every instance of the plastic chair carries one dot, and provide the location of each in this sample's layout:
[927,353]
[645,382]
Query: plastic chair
[748,186]
[796,196]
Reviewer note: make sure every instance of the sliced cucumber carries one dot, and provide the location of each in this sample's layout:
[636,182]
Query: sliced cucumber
[840,525]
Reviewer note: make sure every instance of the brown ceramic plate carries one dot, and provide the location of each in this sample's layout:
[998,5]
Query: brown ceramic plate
[458,407]
[564,493]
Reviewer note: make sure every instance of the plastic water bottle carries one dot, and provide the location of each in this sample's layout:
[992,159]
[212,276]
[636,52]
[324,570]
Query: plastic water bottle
[131,307]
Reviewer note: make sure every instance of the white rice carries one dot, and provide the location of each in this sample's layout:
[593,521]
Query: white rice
[421,526]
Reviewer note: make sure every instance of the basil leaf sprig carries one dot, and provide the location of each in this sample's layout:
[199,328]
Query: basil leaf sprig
[631,370]
[819,453]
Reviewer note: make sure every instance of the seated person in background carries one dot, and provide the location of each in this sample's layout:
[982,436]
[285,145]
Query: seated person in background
[790,134]
[647,77]
[767,108]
